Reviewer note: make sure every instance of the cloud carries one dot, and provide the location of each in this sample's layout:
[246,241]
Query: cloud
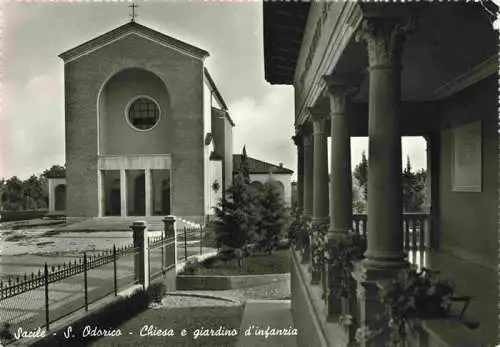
[266,126]
[35,123]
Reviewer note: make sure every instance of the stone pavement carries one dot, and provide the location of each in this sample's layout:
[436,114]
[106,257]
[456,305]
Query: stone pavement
[263,322]
[266,305]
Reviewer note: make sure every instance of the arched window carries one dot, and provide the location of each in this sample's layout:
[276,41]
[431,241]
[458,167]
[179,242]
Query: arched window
[143,113]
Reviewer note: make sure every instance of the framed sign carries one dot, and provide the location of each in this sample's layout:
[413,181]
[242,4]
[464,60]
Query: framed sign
[467,158]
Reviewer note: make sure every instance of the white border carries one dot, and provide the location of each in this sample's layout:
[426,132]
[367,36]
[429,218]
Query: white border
[128,107]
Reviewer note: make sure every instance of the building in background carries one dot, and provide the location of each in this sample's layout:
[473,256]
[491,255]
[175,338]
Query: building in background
[262,172]
[147,131]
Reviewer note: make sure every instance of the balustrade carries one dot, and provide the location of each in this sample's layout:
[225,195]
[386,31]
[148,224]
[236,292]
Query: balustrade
[415,228]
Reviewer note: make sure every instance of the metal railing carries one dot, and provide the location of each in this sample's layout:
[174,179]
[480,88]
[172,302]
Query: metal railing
[38,299]
[194,241]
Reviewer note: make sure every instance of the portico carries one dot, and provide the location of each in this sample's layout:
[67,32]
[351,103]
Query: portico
[386,71]
[134,185]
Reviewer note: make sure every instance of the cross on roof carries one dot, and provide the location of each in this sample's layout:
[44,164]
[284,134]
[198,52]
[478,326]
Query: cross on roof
[133,15]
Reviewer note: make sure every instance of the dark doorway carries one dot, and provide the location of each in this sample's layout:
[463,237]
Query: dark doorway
[165,197]
[140,196]
[60,197]
[114,202]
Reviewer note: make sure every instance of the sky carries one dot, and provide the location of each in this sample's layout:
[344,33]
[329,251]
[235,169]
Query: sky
[32,102]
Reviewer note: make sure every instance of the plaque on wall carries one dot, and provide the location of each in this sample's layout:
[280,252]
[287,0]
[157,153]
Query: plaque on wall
[467,158]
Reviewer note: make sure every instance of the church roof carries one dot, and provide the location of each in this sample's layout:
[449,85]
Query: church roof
[127,29]
[256,166]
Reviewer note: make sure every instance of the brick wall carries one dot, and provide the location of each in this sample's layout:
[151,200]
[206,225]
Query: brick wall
[183,78]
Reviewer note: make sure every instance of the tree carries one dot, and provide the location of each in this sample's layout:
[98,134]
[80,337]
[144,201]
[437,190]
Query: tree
[414,192]
[272,218]
[13,194]
[244,169]
[235,224]
[54,170]
[360,173]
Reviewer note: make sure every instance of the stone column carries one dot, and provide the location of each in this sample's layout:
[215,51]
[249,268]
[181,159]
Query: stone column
[123,192]
[297,139]
[384,39]
[308,175]
[433,172]
[320,180]
[100,193]
[339,88]
[148,188]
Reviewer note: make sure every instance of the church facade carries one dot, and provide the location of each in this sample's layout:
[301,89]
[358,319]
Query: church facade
[147,131]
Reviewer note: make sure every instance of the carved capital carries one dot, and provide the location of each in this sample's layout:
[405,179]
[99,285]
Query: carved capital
[316,114]
[384,38]
[339,88]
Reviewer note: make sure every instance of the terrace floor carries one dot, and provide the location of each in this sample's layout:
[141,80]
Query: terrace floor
[473,280]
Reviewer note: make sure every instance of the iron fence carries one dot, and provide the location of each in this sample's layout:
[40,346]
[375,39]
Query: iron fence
[194,241]
[38,299]
[161,255]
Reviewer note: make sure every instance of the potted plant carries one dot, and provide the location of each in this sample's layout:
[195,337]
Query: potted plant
[414,295]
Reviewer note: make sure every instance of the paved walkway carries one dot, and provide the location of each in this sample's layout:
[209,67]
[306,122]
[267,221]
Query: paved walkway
[267,323]
[267,305]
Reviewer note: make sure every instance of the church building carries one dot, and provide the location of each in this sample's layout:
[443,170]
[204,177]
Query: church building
[147,131]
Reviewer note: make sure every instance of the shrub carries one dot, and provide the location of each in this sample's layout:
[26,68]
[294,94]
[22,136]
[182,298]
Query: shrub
[156,292]
[191,266]
[209,262]
[5,334]
[226,254]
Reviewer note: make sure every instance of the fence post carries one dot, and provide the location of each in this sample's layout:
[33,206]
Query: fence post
[185,244]
[46,276]
[168,233]
[115,274]
[85,283]
[140,234]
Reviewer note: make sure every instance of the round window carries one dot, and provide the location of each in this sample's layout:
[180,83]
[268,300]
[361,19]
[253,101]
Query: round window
[143,113]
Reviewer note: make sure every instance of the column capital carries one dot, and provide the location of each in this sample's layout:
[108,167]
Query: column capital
[384,38]
[316,114]
[342,83]
[339,88]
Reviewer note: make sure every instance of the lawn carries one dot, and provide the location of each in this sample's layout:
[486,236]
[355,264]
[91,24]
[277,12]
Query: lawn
[259,264]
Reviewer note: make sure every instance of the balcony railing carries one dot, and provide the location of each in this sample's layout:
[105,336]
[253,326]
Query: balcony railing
[416,231]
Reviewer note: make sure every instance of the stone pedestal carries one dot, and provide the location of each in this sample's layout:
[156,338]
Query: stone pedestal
[333,294]
[141,258]
[169,234]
